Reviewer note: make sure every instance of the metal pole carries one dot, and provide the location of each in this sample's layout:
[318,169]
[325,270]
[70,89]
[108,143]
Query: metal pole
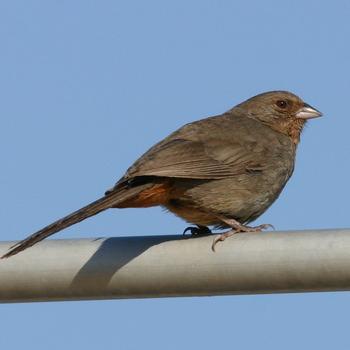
[163,266]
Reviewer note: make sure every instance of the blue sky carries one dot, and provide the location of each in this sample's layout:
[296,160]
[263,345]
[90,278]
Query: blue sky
[87,86]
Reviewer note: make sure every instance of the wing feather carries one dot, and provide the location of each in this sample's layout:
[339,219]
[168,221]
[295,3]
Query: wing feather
[192,153]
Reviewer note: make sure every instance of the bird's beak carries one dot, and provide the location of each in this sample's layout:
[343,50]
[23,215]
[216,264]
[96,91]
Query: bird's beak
[308,112]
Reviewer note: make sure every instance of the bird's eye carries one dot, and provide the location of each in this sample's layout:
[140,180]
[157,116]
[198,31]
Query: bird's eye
[282,104]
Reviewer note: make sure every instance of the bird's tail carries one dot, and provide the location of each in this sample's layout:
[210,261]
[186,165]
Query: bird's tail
[108,201]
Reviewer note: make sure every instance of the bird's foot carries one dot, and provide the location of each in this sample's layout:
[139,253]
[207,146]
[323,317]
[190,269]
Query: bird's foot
[237,227]
[197,231]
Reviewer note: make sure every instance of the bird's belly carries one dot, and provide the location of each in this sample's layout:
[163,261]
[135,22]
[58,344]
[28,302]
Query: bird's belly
[243,198]
[192,214]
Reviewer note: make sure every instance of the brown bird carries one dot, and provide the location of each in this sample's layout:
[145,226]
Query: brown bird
[222,171]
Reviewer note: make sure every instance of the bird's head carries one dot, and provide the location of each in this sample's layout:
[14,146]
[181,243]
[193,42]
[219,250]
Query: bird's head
[281,110]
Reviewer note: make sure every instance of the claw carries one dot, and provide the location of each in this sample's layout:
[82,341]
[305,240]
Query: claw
[221,238]
[265,227]
[197,231]
[190,228]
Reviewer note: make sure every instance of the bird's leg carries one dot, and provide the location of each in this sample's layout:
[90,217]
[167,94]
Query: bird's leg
[198,230]
[237,227]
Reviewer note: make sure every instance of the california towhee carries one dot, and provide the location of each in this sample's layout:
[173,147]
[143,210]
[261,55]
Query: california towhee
[222,171]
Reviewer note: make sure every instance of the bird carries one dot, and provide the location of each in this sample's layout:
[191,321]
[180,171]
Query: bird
[222,171]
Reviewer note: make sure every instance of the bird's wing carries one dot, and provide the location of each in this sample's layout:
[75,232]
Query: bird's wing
[189,159]
[190,153]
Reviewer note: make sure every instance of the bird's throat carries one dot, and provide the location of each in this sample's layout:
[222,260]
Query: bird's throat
[291,127]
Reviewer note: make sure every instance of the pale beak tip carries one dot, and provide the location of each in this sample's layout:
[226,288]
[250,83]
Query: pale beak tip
[308,112]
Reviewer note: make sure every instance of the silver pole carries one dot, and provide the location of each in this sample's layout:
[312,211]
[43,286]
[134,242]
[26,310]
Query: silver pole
[163,266]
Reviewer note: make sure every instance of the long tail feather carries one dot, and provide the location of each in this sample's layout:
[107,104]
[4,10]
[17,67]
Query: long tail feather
[106,202]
